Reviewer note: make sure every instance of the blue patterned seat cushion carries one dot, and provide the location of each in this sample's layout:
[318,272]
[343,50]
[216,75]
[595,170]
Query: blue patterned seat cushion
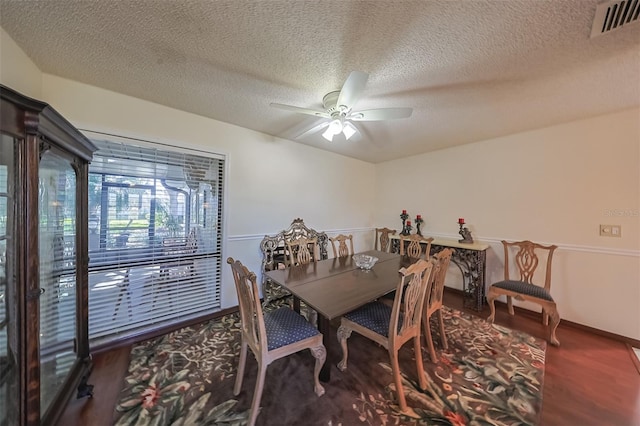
[525,288]
[375,316]
[285,326]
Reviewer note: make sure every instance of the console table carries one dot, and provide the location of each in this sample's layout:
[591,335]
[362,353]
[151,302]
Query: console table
[470,258]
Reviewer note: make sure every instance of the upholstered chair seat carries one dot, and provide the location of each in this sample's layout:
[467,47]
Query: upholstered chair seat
[375,316]
[524,287]
[285,326]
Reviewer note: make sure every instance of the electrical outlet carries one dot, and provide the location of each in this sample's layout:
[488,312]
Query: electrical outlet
[616,230]
[610,231]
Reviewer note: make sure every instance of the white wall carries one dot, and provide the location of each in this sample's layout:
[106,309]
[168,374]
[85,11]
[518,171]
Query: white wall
[553,185]
[17,71]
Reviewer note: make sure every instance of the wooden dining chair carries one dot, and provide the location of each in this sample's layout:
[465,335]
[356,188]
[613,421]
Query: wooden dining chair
[433,300]
[270,336]
[382,242]
[342,249]
[524,257]
[393,326]
[302,251]
[411,246]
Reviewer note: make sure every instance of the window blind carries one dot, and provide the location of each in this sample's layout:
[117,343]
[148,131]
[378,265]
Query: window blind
[155,235]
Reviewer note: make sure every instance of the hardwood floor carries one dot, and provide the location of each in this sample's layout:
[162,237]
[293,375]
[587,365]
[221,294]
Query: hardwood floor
[589,379]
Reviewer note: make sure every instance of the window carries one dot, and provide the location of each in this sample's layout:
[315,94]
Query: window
[154,237]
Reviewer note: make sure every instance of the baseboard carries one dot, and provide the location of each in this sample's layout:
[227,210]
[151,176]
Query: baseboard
[538,316]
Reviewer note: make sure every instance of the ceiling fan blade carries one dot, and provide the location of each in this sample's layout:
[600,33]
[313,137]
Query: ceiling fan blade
[301,110]
[314,129]
[352,89]
[380,114]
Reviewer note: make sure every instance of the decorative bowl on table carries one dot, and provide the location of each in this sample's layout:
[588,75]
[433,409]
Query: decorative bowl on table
[364,261]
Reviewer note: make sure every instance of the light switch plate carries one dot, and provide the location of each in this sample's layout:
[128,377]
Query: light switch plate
[611,231]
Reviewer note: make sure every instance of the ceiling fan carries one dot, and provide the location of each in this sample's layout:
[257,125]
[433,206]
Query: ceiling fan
[339,112]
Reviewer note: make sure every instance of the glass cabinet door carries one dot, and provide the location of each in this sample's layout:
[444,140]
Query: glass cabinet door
[44,344]
[57,241]
[8,330]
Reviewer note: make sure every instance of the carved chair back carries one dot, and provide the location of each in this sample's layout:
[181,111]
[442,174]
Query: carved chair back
[411,246]
[410,296]
[523,258]
[251,316]
[442,260]
[382,238]
[433,299]
[302,251]
[345,245]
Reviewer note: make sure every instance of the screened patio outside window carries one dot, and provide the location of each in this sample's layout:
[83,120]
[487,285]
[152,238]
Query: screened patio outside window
[154,238]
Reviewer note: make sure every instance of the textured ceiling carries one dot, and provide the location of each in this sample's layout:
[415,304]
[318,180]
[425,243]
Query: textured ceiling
[471,70]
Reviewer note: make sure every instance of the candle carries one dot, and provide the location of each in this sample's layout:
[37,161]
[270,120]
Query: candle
[408,223]
[461,221]
[404,212]
[418,217]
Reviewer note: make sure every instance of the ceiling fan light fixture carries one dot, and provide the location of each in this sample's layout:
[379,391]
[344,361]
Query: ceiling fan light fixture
[348,130]
[335,126]
[328,134]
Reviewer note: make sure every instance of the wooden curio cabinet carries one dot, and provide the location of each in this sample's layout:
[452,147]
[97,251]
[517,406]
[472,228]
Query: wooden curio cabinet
[44,349]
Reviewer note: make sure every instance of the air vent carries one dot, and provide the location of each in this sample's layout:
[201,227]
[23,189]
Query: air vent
[613,15]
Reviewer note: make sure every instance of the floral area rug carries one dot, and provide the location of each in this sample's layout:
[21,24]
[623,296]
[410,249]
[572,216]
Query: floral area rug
[490,375]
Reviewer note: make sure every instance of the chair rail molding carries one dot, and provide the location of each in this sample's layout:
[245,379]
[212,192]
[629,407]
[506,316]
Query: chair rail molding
[480,239]
[561,246]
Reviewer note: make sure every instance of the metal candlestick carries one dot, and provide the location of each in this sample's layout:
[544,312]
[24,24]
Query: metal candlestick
[466,235]
[418,223]
[404,217]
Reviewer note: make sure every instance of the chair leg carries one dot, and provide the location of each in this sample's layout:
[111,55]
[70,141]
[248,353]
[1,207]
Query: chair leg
[343,334]
[417,350]
[510,305]
[257,394]
[555,321]
[426,324]
[241,364]
[443,336]
[320,354]
[395,368]
[491,298]
[545,317]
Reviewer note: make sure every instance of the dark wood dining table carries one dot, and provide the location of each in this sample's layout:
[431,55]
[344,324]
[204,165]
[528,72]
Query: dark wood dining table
[334,287]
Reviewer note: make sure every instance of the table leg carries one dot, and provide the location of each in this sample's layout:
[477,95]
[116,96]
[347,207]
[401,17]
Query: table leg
[296,304]
[324,326]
